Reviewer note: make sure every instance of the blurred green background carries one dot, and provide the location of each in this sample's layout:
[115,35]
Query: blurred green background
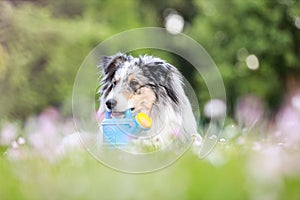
[44,42]
[256,46]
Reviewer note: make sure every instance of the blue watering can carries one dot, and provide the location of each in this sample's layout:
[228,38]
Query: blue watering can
[119,131]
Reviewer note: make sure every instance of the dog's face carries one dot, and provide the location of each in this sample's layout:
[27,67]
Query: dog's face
[130,90]
[135,83]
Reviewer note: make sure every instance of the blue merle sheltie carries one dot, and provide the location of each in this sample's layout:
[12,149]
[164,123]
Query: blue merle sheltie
[151,85]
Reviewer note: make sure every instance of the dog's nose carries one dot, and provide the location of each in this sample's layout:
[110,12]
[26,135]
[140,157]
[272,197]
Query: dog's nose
[111,103]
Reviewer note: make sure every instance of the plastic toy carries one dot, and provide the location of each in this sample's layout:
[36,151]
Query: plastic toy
[119,131]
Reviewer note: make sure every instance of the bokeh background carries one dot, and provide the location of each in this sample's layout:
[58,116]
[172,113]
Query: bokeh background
[256,46]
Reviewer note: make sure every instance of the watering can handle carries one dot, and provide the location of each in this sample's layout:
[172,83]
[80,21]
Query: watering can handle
[107,115]
[128,114]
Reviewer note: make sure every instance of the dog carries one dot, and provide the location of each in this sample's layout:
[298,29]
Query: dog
[150,85]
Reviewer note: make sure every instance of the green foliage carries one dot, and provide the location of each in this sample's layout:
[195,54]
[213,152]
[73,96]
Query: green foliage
[40,53]
[79,176]
[43,44]
[263,28]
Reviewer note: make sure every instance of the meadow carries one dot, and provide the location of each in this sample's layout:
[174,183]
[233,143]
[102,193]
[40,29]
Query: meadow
[255,46]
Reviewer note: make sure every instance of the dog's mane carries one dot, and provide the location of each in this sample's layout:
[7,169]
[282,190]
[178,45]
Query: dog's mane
[164,76]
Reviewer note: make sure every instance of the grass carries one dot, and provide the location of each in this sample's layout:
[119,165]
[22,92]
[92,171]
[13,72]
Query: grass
[79,176]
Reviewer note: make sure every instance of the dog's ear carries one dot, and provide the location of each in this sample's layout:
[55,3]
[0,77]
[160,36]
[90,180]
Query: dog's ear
[172,79]
[164,76]
[109,64]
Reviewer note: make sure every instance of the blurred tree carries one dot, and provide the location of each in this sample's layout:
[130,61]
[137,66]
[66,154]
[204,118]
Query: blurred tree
[42,44]
[233,30]
[41,55]
[186,8]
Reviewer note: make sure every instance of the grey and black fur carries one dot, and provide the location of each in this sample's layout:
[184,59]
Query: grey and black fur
[151,85]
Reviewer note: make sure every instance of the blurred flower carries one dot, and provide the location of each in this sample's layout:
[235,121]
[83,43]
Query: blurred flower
[264,170]
[249,111]
[174,22]
[14,144]
[297,22]
[288,125]
[8,134]
[222,140]
[16,154]
[68,126]
[197,143]
[70,142]
[230,132]
[213,137]
[49,135]
[257,146]
[252,62]
[45,135]
[50,114]
[268,167]
[295,101]
[215,109]
[21,141]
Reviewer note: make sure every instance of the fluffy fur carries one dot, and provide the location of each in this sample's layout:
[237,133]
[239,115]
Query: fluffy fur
[153,86]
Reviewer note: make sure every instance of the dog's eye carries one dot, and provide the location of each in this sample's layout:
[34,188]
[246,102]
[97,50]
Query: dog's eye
[114,83]
[134,86]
